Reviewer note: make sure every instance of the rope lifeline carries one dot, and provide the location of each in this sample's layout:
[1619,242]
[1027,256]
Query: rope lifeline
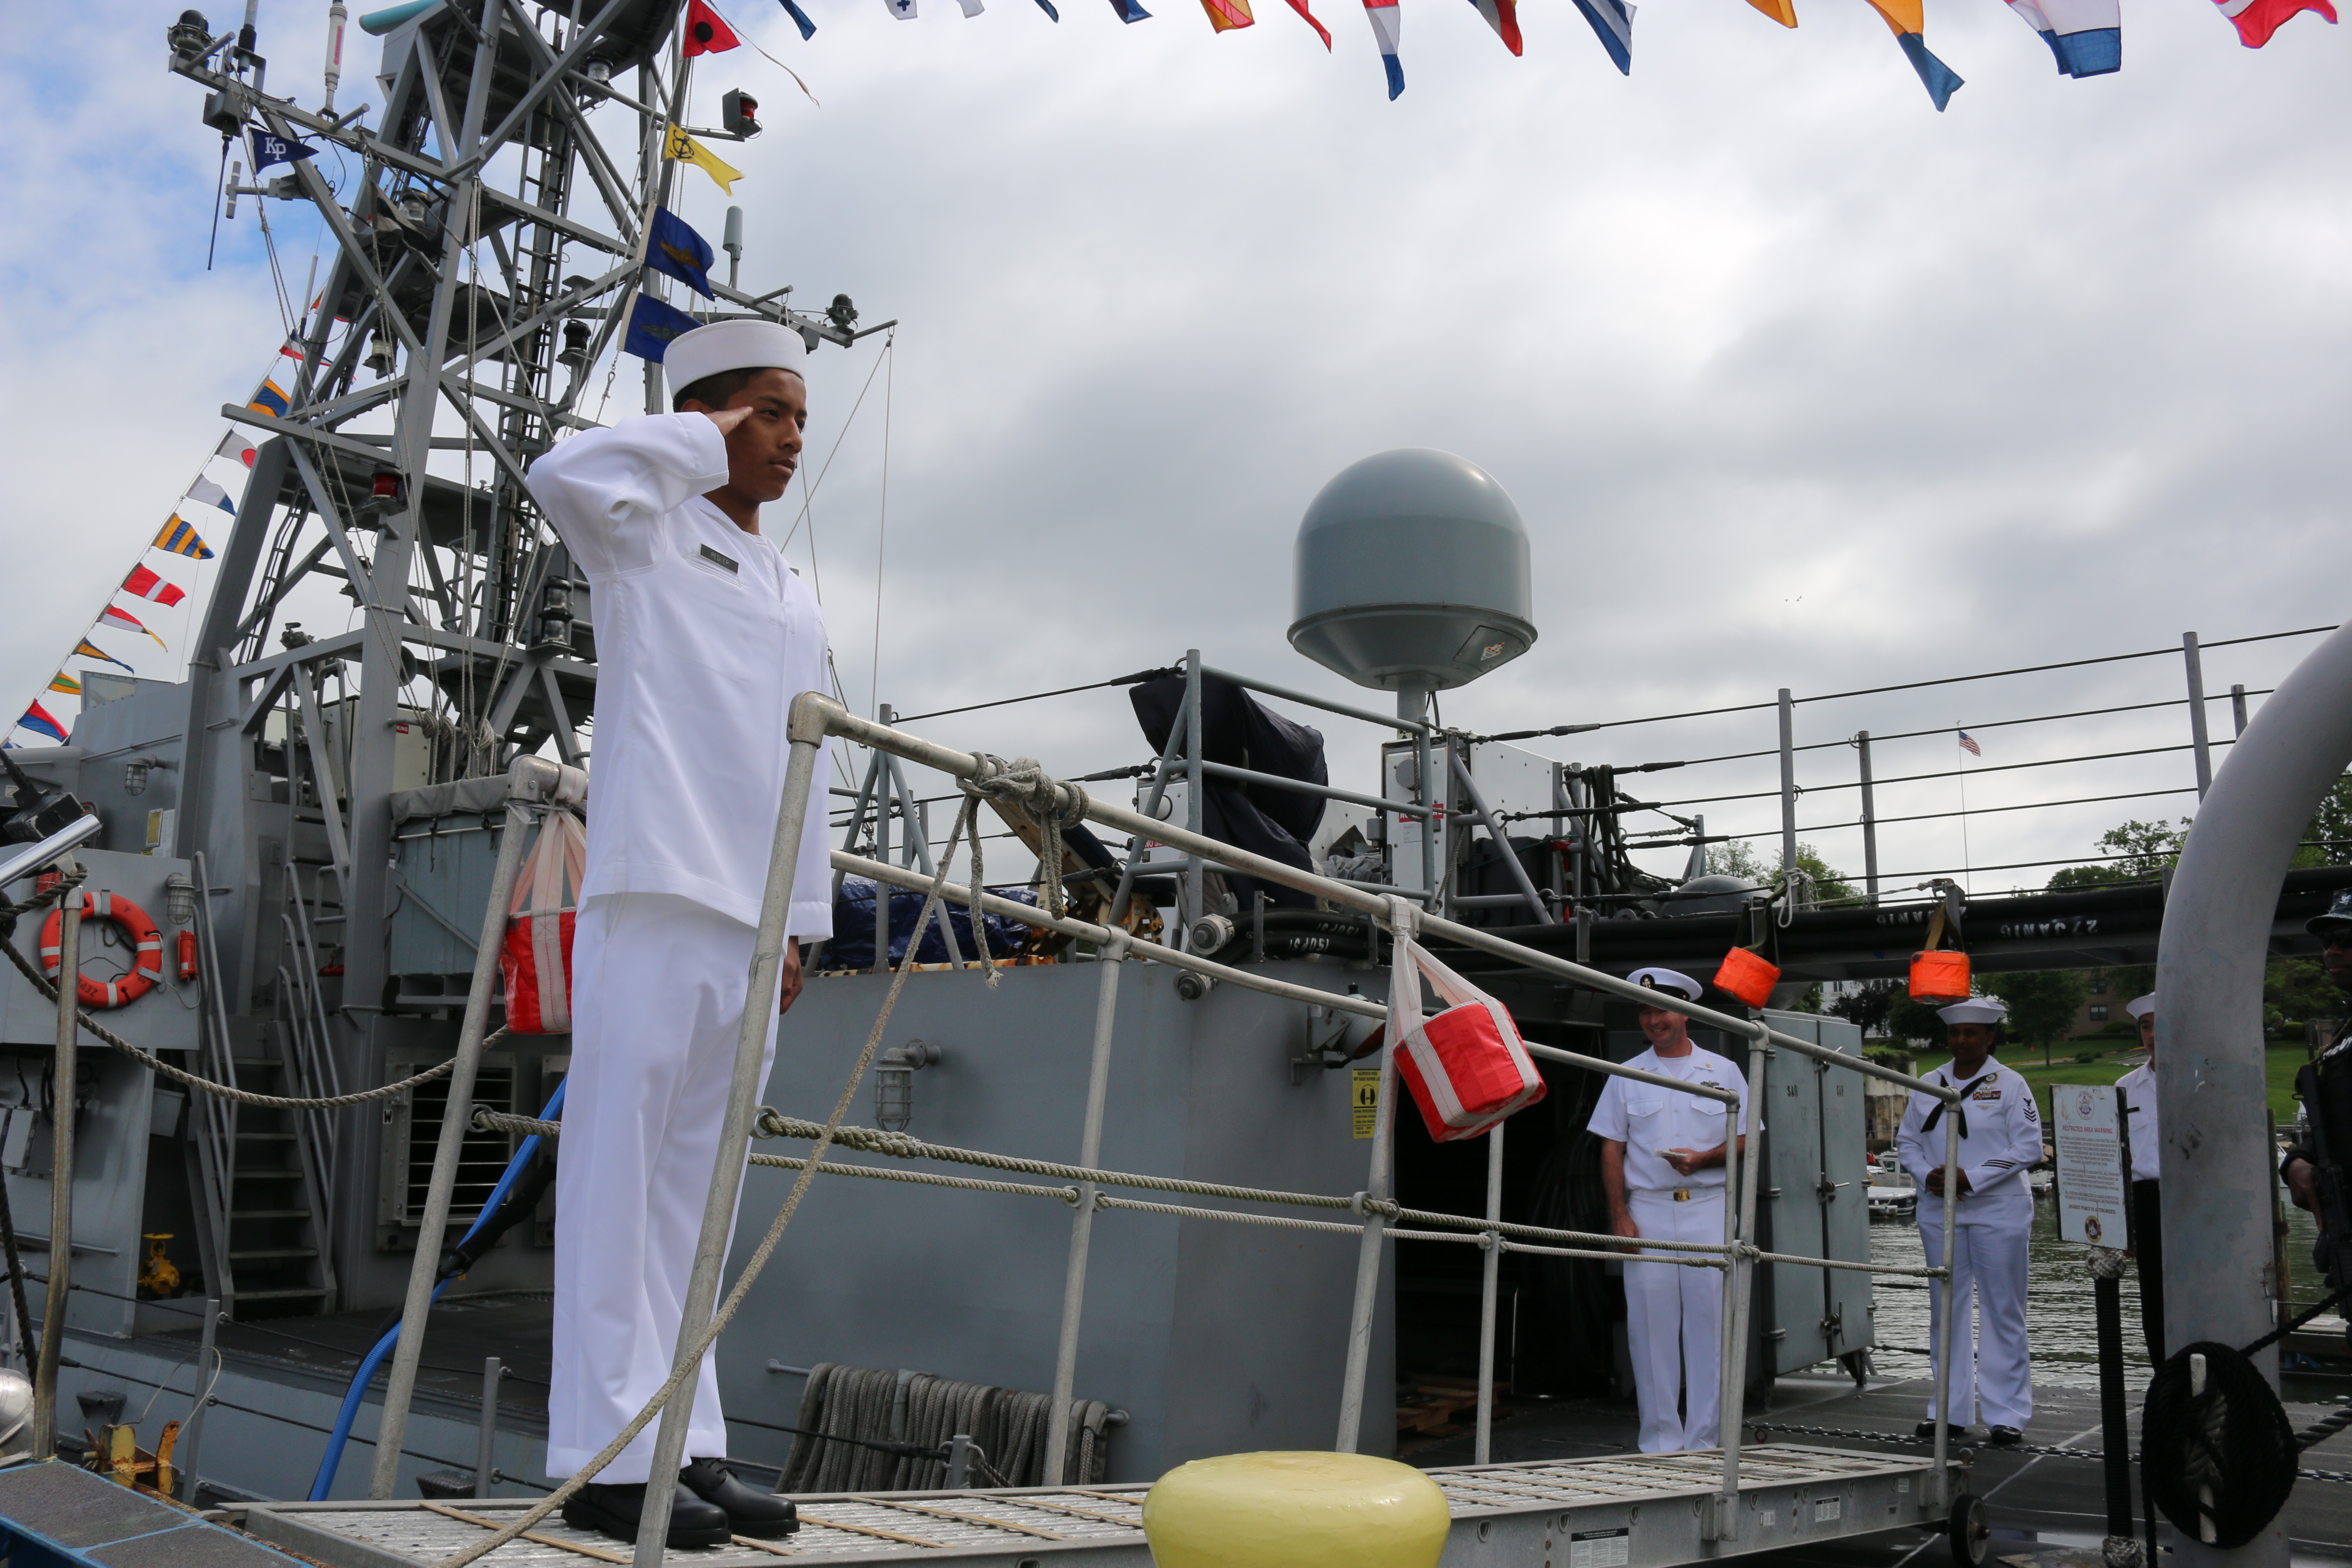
[206,1086]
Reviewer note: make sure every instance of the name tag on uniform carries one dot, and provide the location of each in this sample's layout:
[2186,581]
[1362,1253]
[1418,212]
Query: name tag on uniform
[724,563]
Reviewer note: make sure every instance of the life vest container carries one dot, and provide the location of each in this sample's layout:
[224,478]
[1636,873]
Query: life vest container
[535,956]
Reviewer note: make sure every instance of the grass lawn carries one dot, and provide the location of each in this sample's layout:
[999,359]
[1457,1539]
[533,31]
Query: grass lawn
[2280,1065]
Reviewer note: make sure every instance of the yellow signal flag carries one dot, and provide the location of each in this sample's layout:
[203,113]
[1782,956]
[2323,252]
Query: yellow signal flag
[1781,11]
[686,149]
[67,684]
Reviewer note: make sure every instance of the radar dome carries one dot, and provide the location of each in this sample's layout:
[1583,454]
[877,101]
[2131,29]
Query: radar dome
[1411,575]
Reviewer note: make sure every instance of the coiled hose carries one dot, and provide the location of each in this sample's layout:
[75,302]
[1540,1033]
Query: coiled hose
[499,1215]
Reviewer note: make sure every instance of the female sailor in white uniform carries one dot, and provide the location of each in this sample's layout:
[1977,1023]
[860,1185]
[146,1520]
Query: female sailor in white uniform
[2000,1139]
[703,637]
[1661,1167]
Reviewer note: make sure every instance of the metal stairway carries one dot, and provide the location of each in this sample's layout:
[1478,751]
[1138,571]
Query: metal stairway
[276,1248]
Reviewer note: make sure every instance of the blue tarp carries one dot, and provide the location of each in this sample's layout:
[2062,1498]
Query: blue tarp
[852,947]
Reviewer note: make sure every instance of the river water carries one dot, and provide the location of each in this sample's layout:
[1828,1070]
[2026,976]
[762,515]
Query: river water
[2060,1330]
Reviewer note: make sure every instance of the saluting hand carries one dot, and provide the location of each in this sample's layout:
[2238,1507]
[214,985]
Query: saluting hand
[725,418]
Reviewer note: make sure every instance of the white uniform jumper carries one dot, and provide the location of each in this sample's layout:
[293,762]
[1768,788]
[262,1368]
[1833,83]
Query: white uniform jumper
[2139,1092]
[703,638]
[2001,1138]
[1674,1314]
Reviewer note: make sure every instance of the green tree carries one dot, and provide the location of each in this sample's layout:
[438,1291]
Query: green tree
[2042,1003]
[2296,990]
[1741,857]
[1911,1019]
[2328,840]
[2145,850]
[2293,989]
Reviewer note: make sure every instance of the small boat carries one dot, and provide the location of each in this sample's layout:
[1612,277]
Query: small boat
[1893,1195]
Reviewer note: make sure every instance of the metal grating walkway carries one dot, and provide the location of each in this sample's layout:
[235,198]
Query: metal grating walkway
[1631,1509]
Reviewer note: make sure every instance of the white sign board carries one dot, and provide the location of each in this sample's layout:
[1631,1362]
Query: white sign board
[2094,1207]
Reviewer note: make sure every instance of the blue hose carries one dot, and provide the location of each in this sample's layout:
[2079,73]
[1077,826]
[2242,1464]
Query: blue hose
[357,1395]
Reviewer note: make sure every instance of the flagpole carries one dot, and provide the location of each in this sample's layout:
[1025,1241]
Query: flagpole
[1960,754]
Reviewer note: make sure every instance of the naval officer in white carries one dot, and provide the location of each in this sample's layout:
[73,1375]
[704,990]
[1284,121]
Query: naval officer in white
[2147,1195]
[1661,1167]
[2000,1141]
[703,638]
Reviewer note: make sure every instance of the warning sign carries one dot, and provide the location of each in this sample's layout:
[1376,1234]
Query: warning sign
[1599,1548]
[1368,1099]
[2092,1198]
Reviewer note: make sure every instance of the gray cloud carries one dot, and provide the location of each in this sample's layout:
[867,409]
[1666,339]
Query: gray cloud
[1797,382]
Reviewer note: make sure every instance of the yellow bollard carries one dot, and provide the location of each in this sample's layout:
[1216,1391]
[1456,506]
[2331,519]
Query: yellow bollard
[1296,1511]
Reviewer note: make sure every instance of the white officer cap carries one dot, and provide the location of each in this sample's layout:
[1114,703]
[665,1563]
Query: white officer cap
[1668,980]
[732,345]
[2141,1006]
[1975,1010]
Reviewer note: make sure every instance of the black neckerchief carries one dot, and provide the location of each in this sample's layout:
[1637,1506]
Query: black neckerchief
[1959,1111]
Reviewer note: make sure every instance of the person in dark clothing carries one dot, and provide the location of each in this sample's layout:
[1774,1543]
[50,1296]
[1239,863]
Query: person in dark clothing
[2326,1086]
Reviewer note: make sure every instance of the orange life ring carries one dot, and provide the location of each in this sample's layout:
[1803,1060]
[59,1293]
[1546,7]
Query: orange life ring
[147,942]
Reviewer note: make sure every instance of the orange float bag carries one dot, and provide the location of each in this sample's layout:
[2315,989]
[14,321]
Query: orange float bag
[1940,976]
[535,959]
[1466,1067]
[1746,972]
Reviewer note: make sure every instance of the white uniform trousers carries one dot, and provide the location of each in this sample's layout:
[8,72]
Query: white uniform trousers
[1673,1322]
[1994,1385]
[658,1004]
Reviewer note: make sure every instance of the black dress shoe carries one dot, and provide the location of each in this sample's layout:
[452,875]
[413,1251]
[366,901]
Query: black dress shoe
[615,1510]
[2005,1437]
[763,1516]
[1924,1432]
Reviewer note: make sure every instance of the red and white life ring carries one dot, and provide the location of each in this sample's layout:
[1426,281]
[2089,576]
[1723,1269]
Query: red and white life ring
[146,942]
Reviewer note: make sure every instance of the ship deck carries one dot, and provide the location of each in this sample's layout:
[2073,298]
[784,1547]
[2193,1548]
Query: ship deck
[1615,1511]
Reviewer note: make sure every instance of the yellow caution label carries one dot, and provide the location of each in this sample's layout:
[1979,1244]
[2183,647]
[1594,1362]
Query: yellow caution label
[1368,1099]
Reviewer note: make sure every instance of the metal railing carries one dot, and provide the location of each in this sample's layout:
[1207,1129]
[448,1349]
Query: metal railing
[816,719]
[1575,797]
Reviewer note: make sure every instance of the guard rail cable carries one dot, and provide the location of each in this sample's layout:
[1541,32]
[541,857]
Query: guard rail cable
[815,718]
[34,978]
[533,778]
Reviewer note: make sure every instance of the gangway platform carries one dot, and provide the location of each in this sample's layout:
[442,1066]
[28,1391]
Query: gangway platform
[1623,1511]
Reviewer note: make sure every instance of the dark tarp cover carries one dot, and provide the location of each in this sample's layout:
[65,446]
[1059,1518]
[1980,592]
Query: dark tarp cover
[852,944]
[1240,731]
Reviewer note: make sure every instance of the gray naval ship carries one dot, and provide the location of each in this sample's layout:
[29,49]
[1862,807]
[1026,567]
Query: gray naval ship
[306,830]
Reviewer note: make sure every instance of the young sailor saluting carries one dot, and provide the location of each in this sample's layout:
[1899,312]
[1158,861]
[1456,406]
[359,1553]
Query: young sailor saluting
[1661,1167]
[2000,1139]
[703,637]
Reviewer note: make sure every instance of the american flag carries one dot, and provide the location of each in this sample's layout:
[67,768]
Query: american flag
[1969,744]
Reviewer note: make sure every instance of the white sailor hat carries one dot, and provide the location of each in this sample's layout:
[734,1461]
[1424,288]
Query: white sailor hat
[2141,1006]
[1975,1010]
[732,345]
[1668,980]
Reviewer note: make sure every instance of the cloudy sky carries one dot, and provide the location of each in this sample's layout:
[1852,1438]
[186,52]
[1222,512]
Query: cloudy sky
[1796,382]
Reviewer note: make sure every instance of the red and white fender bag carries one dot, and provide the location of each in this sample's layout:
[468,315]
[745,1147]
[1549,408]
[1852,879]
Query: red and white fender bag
[536,957]
[1466,1066]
